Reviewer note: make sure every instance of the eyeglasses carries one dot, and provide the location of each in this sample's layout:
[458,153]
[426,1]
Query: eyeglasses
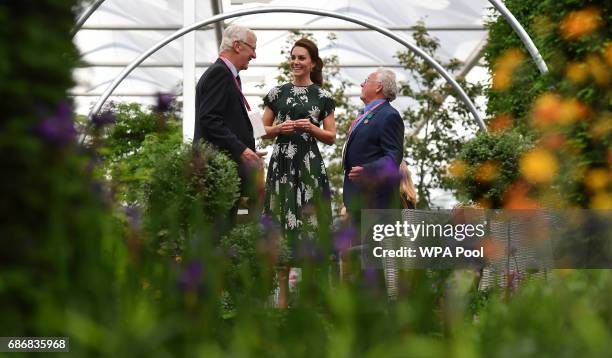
[249,45]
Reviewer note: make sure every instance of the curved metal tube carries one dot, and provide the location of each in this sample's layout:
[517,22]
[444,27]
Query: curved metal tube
[126,71]
[83,18]
[523,35]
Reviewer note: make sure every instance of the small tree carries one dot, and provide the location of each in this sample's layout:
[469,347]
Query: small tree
[437,124]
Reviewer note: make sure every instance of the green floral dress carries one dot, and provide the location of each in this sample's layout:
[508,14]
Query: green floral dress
[297,189]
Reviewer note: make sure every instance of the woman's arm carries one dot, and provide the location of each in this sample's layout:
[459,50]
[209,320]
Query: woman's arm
[326,135]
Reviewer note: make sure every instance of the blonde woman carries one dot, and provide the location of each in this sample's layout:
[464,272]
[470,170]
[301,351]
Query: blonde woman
[408,196]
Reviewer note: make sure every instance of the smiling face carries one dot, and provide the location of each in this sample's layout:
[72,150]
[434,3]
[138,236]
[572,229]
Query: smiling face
[245,52]
[300,61]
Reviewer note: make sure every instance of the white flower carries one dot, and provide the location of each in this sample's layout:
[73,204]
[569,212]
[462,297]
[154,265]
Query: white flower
[299,197]
[291,150]
[277,188]
[308,193]
[322,168]
[273,94]
[324,93]
[304,98]
[275,151]
[299,91]
[292,221]
[307,163]
[289,100]
[313,220]
[312,155]
[283,179]
[314,113]
[306,136]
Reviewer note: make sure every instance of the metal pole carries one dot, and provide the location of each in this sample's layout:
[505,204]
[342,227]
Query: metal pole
[81,21]
[189,70]
[261,10]
[522,34]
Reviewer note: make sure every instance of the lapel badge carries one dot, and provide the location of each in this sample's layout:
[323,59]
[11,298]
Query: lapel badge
[366,121]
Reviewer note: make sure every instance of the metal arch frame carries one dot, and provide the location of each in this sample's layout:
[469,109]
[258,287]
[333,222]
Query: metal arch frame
[522,34]
[507,14]
[83,18]
[261,10]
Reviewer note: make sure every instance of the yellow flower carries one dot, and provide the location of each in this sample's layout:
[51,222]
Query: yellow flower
[539,166]
[486,172]
[457,168]
[601,200]
[579,23]
[597,179]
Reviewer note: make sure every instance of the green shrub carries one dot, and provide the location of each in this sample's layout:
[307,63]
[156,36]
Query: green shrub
[491,165]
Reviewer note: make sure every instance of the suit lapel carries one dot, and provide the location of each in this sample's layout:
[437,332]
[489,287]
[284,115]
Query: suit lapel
[360,127]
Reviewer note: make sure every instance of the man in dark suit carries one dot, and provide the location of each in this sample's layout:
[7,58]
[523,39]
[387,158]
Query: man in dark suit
[222,109]
[374,148]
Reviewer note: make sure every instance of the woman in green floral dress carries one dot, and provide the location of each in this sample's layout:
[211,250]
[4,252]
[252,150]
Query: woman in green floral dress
[297,189]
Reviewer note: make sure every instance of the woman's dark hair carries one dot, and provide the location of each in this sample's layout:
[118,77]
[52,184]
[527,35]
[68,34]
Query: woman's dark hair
[316,76]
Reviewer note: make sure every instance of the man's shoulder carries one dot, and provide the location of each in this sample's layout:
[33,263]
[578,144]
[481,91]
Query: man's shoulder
[388,111]
[216,71]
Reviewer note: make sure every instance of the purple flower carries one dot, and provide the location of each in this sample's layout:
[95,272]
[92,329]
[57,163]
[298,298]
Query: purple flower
[102,119]
[58,128]
[164,100]
[191,276]
[343,239]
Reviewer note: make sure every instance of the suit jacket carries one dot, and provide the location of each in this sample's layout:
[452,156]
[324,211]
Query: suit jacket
[378,147]
[221,117]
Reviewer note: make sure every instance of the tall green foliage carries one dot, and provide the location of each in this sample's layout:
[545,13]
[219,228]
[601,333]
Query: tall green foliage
[438,125]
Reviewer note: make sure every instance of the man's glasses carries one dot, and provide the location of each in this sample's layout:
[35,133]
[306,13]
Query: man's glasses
[249,45]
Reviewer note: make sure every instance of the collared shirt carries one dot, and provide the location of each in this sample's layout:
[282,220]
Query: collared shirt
[372,104]
[230,65]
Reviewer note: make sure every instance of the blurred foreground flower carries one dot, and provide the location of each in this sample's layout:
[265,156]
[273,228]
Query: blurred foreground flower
[580,23]
[500,123]
[546,110]
[59,127]
[164,101]
[503,68]
[539,166]
[457,168]
[486,172]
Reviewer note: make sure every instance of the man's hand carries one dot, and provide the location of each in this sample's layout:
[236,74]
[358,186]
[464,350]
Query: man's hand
[251,159]
[357,174]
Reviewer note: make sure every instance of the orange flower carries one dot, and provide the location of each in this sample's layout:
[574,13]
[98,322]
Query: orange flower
[580,23]
[572,110]
[500,123]
[546,110]
[598,69]
[457,168]
[576,72]
[539,166]
[505,64]
[516,197]
[486,172]
[608,54]
[553,141]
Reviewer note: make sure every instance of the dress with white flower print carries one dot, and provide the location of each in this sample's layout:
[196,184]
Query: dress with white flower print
[296,166]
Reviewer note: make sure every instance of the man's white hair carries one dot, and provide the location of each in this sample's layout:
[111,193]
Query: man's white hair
[234,33]
[387,78]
